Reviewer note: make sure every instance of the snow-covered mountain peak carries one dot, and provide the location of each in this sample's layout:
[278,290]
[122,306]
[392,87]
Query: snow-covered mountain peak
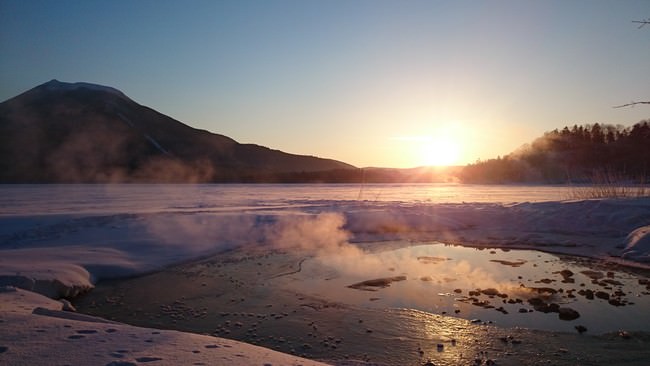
[54,85]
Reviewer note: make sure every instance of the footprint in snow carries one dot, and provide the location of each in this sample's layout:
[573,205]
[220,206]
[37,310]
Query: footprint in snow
[148,359]
[121,363]
[87,331]
[3,349]
[76,336]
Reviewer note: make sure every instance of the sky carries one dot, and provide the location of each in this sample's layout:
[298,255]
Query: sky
[372,83]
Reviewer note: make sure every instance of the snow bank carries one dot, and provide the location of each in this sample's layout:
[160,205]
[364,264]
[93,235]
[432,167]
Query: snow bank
[62,271]
[638,245]
[595,228]
[36,332]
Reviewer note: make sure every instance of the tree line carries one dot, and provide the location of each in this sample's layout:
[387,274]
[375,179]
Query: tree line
[580,153]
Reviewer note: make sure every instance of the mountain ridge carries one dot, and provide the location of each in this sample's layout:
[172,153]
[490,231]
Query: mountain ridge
[80,132]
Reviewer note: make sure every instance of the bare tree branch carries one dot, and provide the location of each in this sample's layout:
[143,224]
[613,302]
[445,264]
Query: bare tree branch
[642,22]
[630,104]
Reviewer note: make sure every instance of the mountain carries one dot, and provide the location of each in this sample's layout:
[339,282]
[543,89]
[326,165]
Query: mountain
[81,132]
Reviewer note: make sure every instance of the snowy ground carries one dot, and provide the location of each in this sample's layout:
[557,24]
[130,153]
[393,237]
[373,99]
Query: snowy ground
[35,331]
[61,255]
[617,230]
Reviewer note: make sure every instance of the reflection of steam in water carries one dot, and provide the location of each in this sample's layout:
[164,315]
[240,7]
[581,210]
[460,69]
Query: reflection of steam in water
[511,288]
[436,270]
[432,260]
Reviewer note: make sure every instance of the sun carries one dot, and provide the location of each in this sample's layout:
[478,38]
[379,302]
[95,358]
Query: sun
[443,151]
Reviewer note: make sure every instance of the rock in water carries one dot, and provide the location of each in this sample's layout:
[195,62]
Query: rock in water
[490,291]
[581,329]
[568,314]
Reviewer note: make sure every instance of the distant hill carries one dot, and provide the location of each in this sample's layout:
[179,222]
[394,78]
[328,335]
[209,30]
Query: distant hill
[79,132]
[598,153]
[372,175]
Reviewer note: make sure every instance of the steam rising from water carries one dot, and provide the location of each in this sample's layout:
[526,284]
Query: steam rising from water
[213,232]
[322,232]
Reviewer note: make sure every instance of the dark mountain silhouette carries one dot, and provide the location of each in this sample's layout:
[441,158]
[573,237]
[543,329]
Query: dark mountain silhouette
[81,132]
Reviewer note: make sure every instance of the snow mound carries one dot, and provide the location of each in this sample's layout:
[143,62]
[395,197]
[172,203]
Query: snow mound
[638,245]
[14,300]
[63,271]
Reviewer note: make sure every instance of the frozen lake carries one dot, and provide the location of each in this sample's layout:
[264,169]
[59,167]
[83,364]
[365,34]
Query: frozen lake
[27,199]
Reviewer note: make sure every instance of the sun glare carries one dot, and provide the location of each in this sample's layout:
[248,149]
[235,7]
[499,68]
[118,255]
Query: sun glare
[440,152]
[439,146]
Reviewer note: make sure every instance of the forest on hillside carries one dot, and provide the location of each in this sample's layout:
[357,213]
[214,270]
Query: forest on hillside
[596,153]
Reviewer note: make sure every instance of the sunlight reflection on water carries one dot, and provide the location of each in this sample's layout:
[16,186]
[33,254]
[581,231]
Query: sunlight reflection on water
[438,279]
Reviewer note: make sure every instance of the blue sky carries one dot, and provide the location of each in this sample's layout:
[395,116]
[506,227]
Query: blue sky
[372,83]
